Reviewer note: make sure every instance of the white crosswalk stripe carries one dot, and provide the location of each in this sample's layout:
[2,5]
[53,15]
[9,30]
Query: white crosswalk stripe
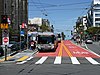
[91,60]
[21,62]
[74,60]
[24,61]
[29,58]
[41,60]
[57,60]
[61,60]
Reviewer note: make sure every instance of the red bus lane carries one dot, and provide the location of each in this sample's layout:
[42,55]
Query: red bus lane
[60,51]
[51,54]
[68,49]
[77,51]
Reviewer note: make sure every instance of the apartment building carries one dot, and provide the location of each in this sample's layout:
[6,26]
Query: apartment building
[93,14]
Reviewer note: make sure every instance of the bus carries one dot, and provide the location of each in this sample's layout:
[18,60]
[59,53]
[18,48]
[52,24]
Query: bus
[46,41]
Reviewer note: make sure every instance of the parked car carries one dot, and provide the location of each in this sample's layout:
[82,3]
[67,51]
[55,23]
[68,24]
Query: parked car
[15,47]
[1,51]
[89,41]
[11,43]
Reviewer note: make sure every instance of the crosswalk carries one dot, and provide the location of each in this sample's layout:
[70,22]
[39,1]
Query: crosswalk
[61,60]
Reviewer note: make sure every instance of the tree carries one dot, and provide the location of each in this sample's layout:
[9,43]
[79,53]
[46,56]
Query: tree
[44,28]
[93,30]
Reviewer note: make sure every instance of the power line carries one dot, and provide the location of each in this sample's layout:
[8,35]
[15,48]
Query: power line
[52,5]
[45,13]
[63,9]
[41,3]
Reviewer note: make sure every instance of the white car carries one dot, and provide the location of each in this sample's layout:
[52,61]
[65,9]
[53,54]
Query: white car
[89,41]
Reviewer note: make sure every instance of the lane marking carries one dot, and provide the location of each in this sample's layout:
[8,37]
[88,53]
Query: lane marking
[23,58]
[74,60]
[66,49]
[21,62]
[41,60]
[60,51]
[57,60]
[87,49]
[91,60]
[30,58]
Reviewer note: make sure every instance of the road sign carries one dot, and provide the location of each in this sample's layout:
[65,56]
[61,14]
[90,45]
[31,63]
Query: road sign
[3,26]
[5,40]
[22,33]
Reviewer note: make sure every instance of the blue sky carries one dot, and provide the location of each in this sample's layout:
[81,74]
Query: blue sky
[61,13]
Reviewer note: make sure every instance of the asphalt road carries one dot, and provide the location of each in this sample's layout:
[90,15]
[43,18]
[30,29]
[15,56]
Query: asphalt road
[95,47]
[52,64]
[49,69]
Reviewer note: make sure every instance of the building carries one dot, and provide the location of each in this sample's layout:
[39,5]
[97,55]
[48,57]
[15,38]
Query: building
[36,20]
[39,22]
[17,11]
[93,14]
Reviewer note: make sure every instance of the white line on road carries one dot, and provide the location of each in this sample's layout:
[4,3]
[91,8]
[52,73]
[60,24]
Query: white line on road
[92,61]
[24,61]
[29,58]
[74,60]
[41,60]
[57,60]
[21,62]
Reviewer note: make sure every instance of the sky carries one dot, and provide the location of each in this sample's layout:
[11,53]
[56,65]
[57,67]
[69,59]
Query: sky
[62,14]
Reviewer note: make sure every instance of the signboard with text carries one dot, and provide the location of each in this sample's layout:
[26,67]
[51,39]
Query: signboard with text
[3,26]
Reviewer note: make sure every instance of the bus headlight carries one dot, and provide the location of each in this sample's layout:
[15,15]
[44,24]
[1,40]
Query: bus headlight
[52,46]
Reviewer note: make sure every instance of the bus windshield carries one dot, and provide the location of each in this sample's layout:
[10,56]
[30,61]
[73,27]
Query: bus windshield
[42,39]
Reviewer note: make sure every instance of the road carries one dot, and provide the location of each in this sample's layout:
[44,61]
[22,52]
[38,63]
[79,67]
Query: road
[95,47]
[69,59]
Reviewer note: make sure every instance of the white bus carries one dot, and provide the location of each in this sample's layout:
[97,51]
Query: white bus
[46,41]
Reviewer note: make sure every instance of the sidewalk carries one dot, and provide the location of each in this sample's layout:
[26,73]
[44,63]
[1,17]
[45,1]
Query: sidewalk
[19,56]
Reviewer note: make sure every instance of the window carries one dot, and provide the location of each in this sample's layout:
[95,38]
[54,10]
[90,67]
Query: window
[97,19]
[97,15]
[97,24]
[97,10]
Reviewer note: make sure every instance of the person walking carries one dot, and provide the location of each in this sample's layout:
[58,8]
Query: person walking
[33,45]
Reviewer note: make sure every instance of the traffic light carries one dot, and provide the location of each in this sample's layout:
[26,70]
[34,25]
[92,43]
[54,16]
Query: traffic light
[5,33]
[4,19]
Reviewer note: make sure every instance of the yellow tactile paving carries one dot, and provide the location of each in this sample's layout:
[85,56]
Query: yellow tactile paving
[8,57]
[22,58]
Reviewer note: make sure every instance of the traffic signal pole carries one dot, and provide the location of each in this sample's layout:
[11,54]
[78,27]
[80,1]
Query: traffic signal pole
[3,30]
[5,52]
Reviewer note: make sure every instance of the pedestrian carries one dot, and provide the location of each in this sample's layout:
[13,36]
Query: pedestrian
[33,44]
